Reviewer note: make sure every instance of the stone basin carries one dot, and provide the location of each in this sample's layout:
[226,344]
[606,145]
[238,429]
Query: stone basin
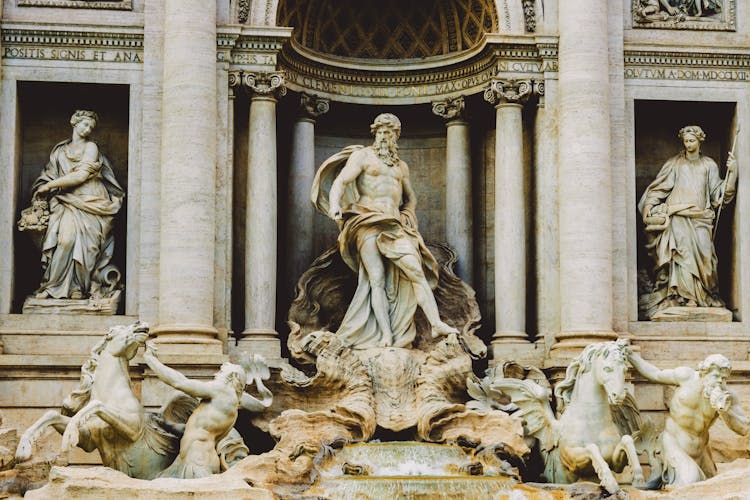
[412,470]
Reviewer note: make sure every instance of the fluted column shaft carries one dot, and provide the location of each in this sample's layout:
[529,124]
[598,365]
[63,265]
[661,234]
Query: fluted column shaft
[459,220]
[300,213]
[261,217]
[585,177]
[510,212]
[188,170]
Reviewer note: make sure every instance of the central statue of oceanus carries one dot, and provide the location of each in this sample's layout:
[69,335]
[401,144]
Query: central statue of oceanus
[367,191]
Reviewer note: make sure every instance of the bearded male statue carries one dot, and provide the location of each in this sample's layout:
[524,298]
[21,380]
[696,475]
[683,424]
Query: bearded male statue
[701,396]
[372,201]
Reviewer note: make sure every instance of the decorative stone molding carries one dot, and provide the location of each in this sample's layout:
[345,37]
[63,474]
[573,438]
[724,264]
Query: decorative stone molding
[243,11]
[529,15]
[450,109]
[79,4]
[21,43]
[508,91]
[696,16]
[312,106]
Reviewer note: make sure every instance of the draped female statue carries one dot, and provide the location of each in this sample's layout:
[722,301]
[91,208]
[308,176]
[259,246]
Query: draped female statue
[84,197]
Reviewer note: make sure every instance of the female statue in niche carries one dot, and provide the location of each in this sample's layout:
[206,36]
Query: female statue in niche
[679,209]
[84,197]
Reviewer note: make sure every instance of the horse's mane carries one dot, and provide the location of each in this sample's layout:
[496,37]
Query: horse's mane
[79,397]
[583,362]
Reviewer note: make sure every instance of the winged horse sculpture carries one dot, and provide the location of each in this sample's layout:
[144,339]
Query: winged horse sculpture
[594,434]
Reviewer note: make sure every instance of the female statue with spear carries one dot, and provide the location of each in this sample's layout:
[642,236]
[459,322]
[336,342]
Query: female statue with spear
[680,209]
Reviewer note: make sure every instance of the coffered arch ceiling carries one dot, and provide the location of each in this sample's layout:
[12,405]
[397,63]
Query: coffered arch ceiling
[388,29]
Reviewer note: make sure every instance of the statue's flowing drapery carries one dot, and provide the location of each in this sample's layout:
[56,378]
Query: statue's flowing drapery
[686,192]
[395,238]
[79,243]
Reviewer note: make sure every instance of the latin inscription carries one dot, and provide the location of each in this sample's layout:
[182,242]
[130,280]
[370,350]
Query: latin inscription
[72,54]
[722,75]
[247,58]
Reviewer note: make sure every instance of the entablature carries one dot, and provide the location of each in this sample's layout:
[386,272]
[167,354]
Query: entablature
[24,43]
[670,63]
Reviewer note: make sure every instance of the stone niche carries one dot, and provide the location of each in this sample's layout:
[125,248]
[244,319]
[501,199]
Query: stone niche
[45,109]
[656,126]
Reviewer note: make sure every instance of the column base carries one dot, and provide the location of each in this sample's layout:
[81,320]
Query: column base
[568,345]
[187,339]
[261,341]
[522,352]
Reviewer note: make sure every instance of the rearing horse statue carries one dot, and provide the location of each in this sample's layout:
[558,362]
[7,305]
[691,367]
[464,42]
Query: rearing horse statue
[594,434]
[104,413]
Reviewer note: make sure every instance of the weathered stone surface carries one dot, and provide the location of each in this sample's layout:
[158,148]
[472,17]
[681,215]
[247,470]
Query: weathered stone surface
[732,483]
[102,483]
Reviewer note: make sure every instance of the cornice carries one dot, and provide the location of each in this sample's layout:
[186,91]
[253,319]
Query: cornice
[48,36]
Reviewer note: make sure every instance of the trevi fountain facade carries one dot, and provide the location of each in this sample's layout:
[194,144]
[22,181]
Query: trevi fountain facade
[374,249]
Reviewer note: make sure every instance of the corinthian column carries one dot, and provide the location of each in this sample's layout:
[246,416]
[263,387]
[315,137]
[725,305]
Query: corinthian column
[260,334]
[585,187]
[188,170]
[299,240]
[458,223]
[510,219]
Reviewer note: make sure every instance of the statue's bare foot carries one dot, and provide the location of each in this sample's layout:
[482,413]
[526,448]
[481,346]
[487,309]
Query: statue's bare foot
[441,329]
[44,294]
[76,295]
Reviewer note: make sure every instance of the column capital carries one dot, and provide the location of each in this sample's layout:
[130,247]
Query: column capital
[450,109]
[539,91]
[312,106]
[259,83]
[508,91]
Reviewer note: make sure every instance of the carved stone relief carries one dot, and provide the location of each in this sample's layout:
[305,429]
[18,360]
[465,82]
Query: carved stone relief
[685,14]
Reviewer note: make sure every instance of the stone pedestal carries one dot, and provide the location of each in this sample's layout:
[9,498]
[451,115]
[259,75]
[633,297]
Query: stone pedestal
[459,219]
[300,212]
[259,335]
[510,219]
[585,173]
[188,173]
[711,314]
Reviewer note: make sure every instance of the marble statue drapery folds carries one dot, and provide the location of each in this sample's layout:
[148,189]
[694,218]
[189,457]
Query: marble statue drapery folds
[678,208]
[78,244]
[396,236]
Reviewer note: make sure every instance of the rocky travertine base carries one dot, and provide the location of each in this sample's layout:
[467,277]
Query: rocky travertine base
[102,483]
[732,483]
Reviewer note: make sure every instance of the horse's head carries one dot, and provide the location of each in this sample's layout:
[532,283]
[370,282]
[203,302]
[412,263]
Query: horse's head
[608,364]
[124,341]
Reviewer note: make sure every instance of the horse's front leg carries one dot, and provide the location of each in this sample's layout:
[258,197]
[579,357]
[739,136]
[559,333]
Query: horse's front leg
[626,448]
[128,425]
[578,457]
[26,443]
[71,436]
